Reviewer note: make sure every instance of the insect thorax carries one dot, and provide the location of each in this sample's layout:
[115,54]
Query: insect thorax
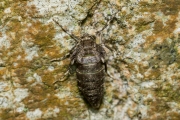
[88,53]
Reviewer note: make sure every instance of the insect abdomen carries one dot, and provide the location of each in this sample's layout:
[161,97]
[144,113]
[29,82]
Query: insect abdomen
[90,82]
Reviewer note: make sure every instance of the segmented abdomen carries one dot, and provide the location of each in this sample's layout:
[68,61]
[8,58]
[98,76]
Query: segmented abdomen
[90,82]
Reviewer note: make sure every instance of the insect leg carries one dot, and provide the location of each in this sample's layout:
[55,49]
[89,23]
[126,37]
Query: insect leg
[65,77]
[113,51]
[66,73]
[62,58]
[102,42]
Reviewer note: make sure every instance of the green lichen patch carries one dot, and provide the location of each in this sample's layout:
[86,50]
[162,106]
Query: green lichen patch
[144,23]
[165,95]
[167,53]
[169,92]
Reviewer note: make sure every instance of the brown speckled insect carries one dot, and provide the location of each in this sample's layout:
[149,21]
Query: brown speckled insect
[90,61]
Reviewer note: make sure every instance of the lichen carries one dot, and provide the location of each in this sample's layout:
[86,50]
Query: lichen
[143,62]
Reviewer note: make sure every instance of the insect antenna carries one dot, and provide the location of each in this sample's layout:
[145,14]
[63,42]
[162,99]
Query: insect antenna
[108,23]
[105,26]
[70,34]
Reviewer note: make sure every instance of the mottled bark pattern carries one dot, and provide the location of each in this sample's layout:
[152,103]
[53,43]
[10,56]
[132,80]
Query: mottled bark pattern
[89,60]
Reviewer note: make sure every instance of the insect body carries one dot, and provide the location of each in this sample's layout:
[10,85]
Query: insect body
[90,67]
[89,59]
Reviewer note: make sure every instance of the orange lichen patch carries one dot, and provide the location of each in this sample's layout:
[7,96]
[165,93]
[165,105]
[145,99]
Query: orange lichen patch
[43,97]
[153,74]
[158,27]
[173,115]
[148,7]
[0,34]
[48,78]
[7,114]
[168,7]
[132,67]
[161,107]
[32,11]
[2,72]
[42,34]
[18,55]
[19,116]
[165,94]
[164,31]
[14,26]
[171,24]
[53,52]
[39,90]
[14,34]
[20,8]
[37,100]
[17,31]
[153,38]
[21,75]
[161,30]
[33,33]
[174,77]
